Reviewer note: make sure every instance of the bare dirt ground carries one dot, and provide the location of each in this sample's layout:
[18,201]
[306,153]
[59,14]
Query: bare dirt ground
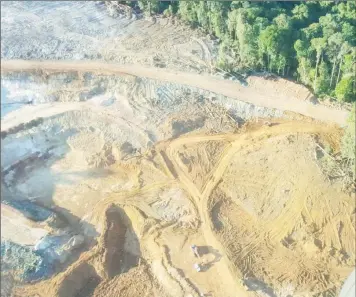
[129,150]
[248,215]
[256,93]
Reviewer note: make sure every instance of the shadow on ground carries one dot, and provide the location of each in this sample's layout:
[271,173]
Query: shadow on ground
[209,250]
[254,284]
[44,211]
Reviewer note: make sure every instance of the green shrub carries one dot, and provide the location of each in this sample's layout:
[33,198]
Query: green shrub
[344,90]
[348,145]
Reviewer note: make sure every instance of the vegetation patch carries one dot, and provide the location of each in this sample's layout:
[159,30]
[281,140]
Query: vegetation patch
[313,42]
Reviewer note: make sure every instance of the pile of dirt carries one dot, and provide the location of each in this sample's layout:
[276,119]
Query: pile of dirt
[7,283]
[261,212]
[104,261]
[138,281]
[263,209]
[282,86]
[119,126]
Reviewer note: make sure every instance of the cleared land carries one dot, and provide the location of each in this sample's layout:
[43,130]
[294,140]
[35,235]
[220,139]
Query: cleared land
[123,161]
[254,95]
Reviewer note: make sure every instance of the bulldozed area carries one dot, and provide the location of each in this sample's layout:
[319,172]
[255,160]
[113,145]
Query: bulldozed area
[120,150]
[266,219]
[281,221]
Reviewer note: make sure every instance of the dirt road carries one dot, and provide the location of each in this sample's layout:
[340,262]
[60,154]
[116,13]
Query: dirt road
[229,274]
[231,89]
[225,277]
[29,113]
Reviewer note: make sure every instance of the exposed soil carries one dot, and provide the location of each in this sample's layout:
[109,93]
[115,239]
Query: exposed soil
[138,281]
[247,213]
[255,93]
[100,265]
[121,132]
[200,159]
[285,212]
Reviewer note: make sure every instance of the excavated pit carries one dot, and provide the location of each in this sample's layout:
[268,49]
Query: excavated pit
[114,241]
[104,262]
[113,171]
[100,150]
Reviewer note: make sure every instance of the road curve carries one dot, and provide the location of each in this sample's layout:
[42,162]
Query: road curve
[227,88]
[229,273]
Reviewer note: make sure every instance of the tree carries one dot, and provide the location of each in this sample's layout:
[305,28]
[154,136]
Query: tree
[345,90]
[318,44]
[216,18]
[168,12]
[333,49]
[322,82]
[187,12]
[312,31]
[202,14]
[313,41]
[301,12]
[149,7]
[344,50]
[349,62]
[304,66]
[346,11]
[283,21]
[348,147]
[330,24]
[349,33]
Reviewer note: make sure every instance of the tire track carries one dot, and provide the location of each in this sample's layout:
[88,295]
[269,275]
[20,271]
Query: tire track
[227,88]
[229,274]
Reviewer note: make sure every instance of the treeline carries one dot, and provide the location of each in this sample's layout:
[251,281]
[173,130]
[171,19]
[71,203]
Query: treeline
[312,42]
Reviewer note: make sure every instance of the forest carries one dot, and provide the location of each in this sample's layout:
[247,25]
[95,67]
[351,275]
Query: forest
[312,42]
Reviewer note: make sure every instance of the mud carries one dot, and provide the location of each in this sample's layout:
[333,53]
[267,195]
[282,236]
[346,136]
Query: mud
[114,239]
[122,148]
[102,262]
[80,282]
[250,163]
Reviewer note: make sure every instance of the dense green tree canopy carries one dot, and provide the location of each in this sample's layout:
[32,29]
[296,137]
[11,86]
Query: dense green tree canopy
[313,42]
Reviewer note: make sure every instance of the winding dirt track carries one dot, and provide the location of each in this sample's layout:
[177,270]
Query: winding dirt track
[227,88]
[229,274]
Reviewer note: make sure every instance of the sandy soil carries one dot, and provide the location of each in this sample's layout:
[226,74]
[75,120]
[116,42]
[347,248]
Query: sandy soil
[84,31]
[206,197]
[284,213]
[133,143]
[256,94]
[232,203]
